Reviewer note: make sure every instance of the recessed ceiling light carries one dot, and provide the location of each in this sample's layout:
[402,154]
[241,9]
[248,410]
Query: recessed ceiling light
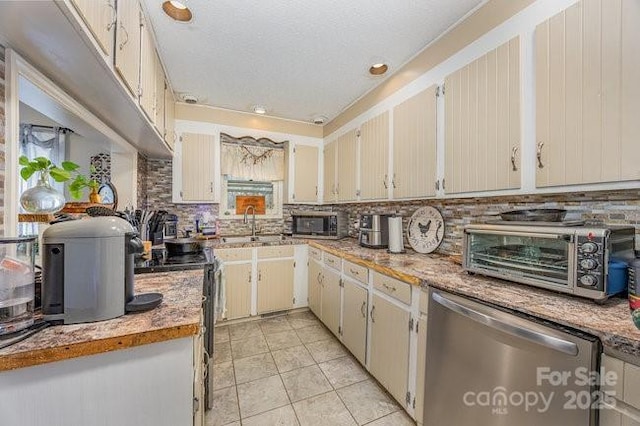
[259,109]
[378,69]
[177,10]
[320,119]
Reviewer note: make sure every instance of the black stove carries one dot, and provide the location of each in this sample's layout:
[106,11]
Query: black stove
[159,261]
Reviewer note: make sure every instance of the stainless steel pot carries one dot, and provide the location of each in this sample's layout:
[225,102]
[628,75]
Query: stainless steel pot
[534,215]
[182,246]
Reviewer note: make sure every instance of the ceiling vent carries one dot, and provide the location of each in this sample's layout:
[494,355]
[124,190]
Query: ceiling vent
[319,120]
[190,99]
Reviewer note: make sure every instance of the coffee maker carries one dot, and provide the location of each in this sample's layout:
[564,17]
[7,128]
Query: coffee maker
[88,270]
[374,230]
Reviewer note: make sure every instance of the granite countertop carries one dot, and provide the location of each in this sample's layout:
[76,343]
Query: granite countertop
[611,321]
[177,316]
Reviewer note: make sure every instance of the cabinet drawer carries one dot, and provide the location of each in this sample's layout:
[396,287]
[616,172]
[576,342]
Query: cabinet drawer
[275,251]
[356,272]
[395,288]
[315,253]
[234,255]
[333,261]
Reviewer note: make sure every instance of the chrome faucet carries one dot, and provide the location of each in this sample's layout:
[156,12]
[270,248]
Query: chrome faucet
[253,221]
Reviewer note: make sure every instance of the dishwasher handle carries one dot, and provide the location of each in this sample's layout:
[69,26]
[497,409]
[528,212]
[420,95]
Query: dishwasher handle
[533,336]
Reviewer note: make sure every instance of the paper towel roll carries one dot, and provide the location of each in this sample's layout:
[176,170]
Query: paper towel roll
[396,244]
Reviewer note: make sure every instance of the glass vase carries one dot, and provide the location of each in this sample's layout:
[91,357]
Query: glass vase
[42,198]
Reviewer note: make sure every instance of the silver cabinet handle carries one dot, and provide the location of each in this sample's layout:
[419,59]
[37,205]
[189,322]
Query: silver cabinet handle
[362,310]
[539,155]
[373,308]
[393,181]
[318,278]
[388,287]
[249,277]
[384,182]
[259,275]
[114,14]
[207,359]
[127,39]
[354,272]
[532,336]
[514,152]
[211,187]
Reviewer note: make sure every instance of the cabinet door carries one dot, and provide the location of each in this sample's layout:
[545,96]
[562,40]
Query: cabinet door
[305,187]
[169,117]
[331,300]
[389,355]
[275,285]
[482,123]
[315,289]
[347,151]
[374,158]
[354,320]
[330,152]
[238,290]
[421,368]
[159,97]
[100,17]
[414,146]
[197,167]
[587,96]
[127,59]
[147,91]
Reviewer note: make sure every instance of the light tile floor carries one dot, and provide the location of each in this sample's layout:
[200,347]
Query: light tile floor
[290,370]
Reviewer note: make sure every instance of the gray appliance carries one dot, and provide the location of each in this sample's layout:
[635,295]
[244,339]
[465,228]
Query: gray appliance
[481,362]
[88,269]
[319,225]
[374,230]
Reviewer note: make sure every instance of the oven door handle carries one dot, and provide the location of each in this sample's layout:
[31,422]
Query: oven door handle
[566,237]
[533,336]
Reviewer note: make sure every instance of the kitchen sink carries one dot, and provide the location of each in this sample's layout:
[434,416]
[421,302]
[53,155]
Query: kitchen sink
[266,239]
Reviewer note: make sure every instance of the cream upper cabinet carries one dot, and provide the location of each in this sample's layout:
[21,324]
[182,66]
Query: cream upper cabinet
[100,17]
[305,185]
[374,158]
[347,157]
[389,349]
[197,167]
[354,319]
[159,98]
[127,56]
[330,300]
[275,285]
[414,146]
[587,94]
[169,117]
[482,123]
[315,287]
[330,152]
[147,92]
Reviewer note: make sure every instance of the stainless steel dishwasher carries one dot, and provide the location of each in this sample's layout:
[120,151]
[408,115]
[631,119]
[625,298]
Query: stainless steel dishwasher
[490,367]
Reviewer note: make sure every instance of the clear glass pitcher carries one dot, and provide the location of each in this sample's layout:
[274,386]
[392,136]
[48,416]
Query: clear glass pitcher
[17,278]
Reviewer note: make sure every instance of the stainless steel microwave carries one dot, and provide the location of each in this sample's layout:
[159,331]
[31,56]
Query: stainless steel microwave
[321,225]
[568,259]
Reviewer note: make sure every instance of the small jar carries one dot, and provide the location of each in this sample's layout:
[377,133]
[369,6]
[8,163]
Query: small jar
[634,291]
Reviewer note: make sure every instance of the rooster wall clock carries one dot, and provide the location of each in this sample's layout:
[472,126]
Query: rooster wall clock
[426,230]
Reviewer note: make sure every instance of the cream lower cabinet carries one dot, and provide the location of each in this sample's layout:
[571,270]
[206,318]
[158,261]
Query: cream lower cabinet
[315,287]
[199,377]
[389,348]
[622,404]
[421,367]
[275,285]
[354,319]
[238,290]
[330,299]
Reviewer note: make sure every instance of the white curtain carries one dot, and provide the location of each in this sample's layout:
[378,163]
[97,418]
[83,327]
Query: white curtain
[252,162]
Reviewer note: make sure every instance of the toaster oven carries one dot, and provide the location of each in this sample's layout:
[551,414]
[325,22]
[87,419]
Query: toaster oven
[568,259]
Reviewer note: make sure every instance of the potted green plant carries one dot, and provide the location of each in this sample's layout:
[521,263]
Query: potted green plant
[42,198]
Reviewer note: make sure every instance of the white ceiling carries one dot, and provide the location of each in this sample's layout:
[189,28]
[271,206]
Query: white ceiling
[298,58]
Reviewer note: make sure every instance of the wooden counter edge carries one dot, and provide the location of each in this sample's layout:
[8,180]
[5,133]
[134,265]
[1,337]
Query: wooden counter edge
[94,347]
[409,279]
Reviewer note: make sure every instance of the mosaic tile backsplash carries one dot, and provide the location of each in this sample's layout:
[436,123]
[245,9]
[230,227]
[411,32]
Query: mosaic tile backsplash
[610,207]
